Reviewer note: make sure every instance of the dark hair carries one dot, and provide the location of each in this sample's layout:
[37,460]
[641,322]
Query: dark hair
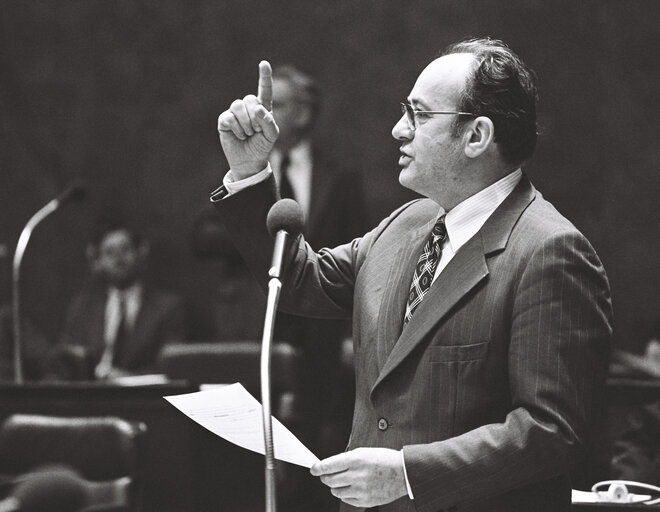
[502,88]
[105,227]
[305,88]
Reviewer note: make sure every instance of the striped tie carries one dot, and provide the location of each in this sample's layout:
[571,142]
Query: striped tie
[425,269]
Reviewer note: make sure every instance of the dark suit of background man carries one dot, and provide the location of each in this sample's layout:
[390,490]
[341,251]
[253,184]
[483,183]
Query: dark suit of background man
[118,324]
[481,398]
[333,203]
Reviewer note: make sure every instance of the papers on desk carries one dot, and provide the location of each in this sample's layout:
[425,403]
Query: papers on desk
[600,497]
[141,380]
[232,413]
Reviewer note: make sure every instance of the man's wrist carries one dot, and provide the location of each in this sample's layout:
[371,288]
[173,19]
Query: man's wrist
[230,185]
[242,173]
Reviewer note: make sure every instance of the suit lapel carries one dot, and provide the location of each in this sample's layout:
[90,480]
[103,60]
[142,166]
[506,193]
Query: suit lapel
[96,323]
[466,269]
[463,272]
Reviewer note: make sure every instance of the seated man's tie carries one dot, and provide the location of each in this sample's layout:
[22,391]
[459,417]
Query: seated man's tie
[286,190]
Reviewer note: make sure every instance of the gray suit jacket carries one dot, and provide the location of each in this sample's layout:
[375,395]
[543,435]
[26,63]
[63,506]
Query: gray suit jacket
[491,388]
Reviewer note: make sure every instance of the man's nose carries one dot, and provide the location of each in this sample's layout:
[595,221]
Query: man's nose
[401,130]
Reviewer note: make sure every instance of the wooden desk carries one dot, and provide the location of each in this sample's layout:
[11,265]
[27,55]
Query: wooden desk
[611,507]
[631,391]
[169,444]
[186,467]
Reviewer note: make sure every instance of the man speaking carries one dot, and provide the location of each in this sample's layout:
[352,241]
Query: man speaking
[481,316]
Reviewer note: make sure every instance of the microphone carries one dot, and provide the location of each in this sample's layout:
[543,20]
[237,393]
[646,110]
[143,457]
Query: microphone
[74,193]
[285,220]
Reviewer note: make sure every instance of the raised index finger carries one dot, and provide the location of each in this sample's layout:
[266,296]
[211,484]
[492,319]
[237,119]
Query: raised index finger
[265,89]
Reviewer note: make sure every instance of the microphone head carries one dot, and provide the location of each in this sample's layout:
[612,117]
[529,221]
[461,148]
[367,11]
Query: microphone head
[285,215]
[52,488]
[75,192]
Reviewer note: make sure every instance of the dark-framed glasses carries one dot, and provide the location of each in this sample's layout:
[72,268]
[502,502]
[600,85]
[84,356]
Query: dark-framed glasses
[411,114]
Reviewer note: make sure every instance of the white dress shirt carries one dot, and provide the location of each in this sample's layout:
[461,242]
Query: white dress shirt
[299,172]
[132,298]
[466,218]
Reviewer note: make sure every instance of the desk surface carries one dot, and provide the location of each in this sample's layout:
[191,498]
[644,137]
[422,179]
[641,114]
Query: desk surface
[611,507]
[168,468]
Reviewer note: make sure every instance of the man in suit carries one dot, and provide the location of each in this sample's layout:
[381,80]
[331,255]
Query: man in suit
[481,316]
[118,325]
[330,195]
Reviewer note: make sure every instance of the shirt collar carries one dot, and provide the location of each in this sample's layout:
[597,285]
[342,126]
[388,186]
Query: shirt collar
[466,218]
[301,153]
[131,293]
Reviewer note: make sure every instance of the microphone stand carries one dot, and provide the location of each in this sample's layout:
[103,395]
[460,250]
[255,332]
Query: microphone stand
[16,274]
[274,288]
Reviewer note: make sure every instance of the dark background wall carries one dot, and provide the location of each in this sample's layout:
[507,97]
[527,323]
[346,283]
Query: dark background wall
[125,95]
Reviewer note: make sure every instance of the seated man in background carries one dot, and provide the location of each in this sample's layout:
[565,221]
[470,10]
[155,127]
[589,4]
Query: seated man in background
[116,326]
[626,363]
[636,452]
[231,306]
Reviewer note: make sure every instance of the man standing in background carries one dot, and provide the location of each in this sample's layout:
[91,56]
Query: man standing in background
[331,195]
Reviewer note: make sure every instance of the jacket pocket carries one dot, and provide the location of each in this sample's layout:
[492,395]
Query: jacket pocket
[457,353]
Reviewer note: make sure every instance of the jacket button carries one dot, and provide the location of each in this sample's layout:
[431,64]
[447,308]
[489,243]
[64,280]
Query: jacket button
[382,424]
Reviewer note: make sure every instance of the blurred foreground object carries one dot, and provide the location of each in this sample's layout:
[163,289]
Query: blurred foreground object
[98,457]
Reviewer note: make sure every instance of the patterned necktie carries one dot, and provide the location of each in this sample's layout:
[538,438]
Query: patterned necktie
[425,269]
[286,190]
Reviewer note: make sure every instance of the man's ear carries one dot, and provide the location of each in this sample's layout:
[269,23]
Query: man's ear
[480,134]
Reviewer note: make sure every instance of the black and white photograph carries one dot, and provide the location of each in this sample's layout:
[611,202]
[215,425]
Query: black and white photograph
[329,256]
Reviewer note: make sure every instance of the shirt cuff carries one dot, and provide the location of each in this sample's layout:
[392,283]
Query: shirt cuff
[405,475]
[230,186]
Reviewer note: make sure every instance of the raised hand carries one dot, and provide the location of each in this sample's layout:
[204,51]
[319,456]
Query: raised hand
[364,477]
[247,129]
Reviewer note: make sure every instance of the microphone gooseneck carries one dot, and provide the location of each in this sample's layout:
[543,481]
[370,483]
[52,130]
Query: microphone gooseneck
[73,193]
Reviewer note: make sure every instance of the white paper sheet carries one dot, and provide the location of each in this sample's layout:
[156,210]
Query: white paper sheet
[232,413]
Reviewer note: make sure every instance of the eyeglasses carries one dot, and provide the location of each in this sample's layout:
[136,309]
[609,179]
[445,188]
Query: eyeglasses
[411,114]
